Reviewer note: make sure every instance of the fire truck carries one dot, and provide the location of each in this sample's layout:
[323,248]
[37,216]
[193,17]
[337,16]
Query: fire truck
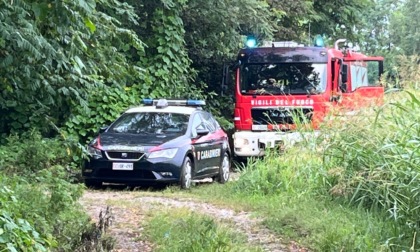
[280,85]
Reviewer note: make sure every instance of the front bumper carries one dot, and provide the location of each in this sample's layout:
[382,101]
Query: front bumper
[253,144]
[144,171]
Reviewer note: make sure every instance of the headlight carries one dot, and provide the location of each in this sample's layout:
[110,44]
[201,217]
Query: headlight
[95,153]
[241,142]
[168,153]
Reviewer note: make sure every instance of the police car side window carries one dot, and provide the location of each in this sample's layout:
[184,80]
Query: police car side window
[214,122]
[208,120]
[197,122]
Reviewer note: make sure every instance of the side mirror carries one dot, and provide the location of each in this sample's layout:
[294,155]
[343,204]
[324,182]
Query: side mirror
[227,75]
[103,129]
[344,73]
[225,78]
[202,132]
[343,87]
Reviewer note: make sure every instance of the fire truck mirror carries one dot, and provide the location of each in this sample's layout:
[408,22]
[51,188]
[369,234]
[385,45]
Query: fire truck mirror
[344,75]
[343,87]
[225,79]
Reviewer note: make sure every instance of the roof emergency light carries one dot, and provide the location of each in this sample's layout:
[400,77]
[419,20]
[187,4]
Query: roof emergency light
[196,103]
[147,101]
[162,103]
[251,42]
[319,41]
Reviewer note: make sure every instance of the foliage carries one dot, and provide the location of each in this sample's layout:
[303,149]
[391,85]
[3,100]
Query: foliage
[17,233]
[295,27]
[33,154]
[39,206]
[51,53]
[341,19]
[166,55]
[181,230]
[272,175]
[104,105]
[407,72]
[302,20]
[375,165]
[404,32]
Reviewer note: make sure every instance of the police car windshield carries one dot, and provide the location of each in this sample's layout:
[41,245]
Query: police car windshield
[151,123]
[283,78]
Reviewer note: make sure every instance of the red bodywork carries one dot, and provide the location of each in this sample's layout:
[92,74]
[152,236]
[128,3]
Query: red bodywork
[337,93]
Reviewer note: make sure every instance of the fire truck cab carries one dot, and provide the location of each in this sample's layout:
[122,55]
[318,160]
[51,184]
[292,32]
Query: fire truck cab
[282,84]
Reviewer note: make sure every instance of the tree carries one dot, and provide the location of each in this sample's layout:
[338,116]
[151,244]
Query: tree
[404,29]
[52,52]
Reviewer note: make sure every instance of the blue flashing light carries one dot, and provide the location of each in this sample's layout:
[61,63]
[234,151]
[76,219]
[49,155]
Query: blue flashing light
[147,101]
[251,42]
[162,103]
[196,103]
[319,41]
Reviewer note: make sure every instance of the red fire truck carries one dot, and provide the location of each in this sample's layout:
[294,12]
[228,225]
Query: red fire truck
[281,84]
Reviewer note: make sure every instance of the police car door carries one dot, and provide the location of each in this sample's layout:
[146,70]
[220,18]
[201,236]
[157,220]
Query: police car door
[202,146]
[214,154]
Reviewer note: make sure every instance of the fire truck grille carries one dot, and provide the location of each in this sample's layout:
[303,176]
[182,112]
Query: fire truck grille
[263,116]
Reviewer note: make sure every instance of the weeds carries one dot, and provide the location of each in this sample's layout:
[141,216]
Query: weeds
[39,209]
[182,230]
[361,177]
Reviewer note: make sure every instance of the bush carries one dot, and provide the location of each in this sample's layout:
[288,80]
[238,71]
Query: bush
[39,204]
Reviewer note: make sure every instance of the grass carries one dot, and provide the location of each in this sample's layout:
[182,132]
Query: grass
[182,230]
[317,223]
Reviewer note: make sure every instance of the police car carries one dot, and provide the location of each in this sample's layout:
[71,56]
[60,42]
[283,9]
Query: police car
[163,141]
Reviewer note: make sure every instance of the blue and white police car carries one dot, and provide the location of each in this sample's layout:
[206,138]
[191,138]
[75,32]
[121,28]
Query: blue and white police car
[163,141]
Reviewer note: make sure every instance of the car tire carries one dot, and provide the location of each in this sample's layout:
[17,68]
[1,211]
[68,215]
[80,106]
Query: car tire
[186,174]
[90,183]
[224,169]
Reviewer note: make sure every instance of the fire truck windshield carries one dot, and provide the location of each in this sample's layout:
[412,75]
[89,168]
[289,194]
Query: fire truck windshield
[283,78]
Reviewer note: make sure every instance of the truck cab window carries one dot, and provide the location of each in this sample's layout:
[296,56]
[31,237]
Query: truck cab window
[284,78]
[363,74]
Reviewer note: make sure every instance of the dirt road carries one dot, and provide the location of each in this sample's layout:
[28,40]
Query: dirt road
[129,208]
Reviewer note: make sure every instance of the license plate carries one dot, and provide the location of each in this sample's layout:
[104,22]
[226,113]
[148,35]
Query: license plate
[122,166]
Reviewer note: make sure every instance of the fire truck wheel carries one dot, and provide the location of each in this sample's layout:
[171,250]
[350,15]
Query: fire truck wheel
[224,169]
[186,174]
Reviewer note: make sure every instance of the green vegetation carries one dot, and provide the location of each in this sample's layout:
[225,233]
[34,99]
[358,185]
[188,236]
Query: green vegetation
[70,67]
[183,230]
[39,209]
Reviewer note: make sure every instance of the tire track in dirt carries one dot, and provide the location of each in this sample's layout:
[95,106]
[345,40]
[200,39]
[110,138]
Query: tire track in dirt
[129,210]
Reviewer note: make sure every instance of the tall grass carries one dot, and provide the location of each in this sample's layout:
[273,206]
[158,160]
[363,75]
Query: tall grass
[368,163]
[183,230]
[379,162]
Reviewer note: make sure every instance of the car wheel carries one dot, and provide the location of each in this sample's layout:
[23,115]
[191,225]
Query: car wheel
[93,183]
[186,173]
[224,169]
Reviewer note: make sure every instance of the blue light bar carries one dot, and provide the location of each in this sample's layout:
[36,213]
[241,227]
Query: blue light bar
[164,102]
[147,101]
[196,103]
